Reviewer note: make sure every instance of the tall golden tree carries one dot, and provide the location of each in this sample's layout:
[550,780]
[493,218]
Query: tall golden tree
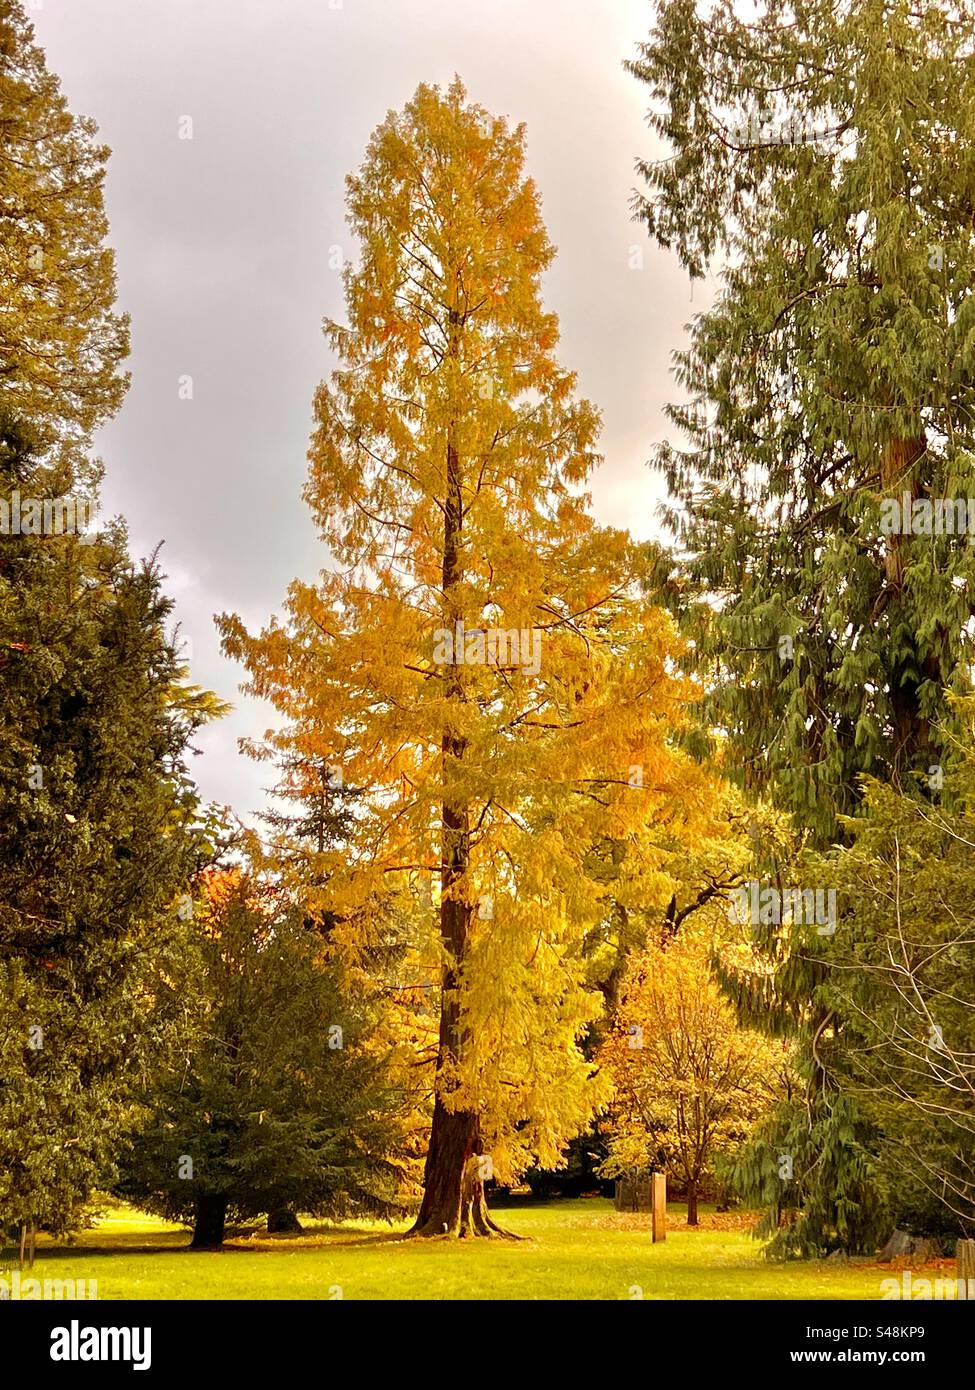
[478,666]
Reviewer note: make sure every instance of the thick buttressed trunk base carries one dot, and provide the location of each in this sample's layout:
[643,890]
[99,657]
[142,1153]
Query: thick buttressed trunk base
[453,1191]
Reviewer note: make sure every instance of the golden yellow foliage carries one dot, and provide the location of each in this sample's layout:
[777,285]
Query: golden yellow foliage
[689,1082]
[478,661]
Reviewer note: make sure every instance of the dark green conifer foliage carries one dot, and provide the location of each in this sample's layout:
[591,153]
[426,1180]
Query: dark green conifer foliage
[824,162]
[822,158]
[276,1097]
[100,832]
[99,825]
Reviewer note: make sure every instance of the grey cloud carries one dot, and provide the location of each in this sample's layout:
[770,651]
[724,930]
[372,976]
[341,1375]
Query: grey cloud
[223,248]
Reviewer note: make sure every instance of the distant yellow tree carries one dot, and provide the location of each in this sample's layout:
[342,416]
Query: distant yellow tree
[478,667]
[689,1082]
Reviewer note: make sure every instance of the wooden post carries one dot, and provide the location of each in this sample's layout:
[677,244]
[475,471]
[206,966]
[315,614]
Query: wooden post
[659,1220]
[965,1267]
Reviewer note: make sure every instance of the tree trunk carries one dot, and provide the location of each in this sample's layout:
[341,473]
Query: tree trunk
[210,1221]
[283,1222]
[453,1192]
[692,1202]
[911,733]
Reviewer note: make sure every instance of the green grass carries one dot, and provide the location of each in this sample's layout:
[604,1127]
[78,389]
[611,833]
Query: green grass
[574,1250]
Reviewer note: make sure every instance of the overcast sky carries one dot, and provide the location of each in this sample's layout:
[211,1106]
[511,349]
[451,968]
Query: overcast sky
[223,245]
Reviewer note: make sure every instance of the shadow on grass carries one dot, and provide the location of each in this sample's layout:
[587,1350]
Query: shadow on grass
[81,1252]
[178,1243]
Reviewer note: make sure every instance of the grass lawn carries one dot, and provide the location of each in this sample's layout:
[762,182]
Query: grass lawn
[574,1250]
